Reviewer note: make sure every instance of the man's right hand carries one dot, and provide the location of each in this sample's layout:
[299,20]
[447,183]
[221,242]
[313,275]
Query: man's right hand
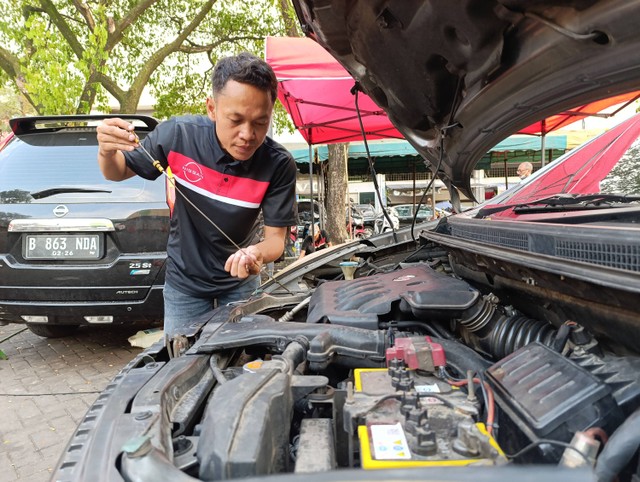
[114,136]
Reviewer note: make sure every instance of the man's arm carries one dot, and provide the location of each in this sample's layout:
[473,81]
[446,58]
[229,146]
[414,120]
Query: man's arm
[249,260]
[114,136]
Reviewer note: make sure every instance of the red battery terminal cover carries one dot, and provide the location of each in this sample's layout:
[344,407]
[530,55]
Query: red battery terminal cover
[417,353]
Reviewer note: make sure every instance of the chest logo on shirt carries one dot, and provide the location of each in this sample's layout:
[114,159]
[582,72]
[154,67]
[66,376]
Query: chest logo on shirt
[192,172]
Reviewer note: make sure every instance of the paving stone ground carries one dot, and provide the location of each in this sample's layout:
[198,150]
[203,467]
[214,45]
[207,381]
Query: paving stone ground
[46,386]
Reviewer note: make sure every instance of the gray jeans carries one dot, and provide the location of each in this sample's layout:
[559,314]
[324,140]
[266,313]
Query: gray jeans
[181,309]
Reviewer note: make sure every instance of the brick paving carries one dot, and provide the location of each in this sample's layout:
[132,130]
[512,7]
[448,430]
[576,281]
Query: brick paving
[46,386]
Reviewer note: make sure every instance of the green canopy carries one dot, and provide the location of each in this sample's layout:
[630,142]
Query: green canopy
[400,156]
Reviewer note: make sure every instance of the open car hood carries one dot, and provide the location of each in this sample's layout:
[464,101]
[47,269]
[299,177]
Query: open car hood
[458,77]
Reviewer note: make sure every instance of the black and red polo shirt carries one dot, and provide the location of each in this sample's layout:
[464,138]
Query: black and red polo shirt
[229,192]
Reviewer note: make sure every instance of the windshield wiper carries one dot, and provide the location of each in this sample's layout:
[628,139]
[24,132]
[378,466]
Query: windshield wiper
[570,202]
[62,190]
[563,202]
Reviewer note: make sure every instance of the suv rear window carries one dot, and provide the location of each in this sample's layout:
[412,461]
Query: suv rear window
[63,167]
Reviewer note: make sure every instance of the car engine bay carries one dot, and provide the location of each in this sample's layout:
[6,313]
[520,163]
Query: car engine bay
[407,365]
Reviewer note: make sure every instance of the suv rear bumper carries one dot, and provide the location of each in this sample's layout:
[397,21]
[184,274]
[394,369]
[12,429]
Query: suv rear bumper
[149,309]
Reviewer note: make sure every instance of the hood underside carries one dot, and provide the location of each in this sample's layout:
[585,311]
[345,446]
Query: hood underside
[458,77]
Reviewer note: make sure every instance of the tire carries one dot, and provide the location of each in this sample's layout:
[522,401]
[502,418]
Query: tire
[52,331]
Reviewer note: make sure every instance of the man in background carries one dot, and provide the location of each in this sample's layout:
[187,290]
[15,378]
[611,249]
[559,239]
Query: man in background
[524,170]
[320,241]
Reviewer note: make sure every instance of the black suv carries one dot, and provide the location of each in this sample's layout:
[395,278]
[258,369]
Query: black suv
[75,248]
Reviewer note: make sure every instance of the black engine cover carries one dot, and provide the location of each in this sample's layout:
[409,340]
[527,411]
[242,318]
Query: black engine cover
[417,291]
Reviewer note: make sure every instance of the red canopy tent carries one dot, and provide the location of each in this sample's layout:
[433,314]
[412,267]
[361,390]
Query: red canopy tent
[316,92]
[593,109]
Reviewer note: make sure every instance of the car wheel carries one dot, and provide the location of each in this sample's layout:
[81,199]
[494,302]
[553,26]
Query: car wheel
[52,331]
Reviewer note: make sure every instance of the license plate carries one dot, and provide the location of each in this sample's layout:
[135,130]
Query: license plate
[69,246]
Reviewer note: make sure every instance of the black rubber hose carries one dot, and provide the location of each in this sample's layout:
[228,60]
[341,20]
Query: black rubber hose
[215,369]
[620,448]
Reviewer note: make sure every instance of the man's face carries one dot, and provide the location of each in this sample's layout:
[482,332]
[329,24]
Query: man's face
[523,171]
[242,114]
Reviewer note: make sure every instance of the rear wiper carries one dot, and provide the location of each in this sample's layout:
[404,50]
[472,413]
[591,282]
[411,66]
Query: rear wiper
[62,190]
[570,202]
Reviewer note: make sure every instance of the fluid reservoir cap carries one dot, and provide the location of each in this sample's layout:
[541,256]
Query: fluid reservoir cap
[252,366]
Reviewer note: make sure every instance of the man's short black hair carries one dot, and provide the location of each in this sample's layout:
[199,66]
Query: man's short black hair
[245,68]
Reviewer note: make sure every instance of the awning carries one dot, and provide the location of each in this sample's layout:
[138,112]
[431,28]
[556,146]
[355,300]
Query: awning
[317,93]
[593,109]
[399,156]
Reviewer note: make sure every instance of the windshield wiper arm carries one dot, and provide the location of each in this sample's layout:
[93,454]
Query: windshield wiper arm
[62,190]
[562,202]
[569,202]
[586,199]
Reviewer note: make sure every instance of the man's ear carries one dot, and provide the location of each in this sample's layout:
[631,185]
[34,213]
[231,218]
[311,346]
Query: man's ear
[211,108]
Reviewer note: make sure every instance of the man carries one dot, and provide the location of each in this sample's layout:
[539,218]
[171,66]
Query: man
[524,170]
[320,241]
[225,166]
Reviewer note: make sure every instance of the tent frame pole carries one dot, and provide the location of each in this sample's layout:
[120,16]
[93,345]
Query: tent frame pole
[313,207]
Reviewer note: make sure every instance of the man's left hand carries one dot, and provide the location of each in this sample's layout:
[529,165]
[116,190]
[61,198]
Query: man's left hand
[245,262]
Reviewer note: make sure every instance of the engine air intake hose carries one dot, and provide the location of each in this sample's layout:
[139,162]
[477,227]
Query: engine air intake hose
[513,332]
[493,332]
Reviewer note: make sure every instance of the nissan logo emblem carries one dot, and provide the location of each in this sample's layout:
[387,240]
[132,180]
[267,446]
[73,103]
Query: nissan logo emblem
[60,210]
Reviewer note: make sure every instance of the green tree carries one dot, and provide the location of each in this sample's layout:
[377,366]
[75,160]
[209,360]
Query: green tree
[11,105]
[624,178]
[64,56]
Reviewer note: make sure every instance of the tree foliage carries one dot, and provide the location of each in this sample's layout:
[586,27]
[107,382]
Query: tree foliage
[11,105]
[624,178]
[66,56]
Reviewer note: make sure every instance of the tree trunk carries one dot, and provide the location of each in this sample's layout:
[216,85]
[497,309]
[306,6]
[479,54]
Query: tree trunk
[336,192]
[289,18]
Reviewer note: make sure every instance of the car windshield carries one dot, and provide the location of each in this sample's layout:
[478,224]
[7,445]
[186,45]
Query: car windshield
[63,168]
[607,165]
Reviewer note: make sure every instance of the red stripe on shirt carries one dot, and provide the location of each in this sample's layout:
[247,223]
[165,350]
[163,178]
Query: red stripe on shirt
[240,188]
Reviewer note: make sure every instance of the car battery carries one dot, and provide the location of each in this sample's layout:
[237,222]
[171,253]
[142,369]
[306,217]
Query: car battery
[415,419]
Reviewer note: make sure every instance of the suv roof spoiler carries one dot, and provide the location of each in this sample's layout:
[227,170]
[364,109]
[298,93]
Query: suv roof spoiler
[31,124]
